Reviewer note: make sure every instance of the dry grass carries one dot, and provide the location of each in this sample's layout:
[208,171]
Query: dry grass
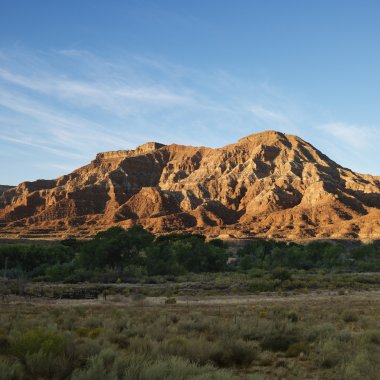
[320,337]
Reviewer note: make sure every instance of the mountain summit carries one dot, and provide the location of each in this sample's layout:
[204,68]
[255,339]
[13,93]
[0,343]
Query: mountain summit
[267,184]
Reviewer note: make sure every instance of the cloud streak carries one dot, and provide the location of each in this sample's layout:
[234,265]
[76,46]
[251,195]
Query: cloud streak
[357,137]
[268,115]
[98,94]
[100,98]
[72,104]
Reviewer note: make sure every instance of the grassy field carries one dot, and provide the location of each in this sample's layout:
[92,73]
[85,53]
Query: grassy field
[128,305]
[316,335]
[205,284]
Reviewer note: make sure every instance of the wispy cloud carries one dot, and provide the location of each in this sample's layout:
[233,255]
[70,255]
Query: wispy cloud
[355,136]
[100,94]
[269,116]
[44,147]
[353,146]
[64,168]
[72,104]
[70,130]
[121,101]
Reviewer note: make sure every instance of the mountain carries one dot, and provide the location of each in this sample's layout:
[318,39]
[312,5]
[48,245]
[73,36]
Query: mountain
[266,185]
[4,188]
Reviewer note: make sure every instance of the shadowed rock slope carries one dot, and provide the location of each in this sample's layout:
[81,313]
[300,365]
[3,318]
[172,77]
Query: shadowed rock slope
[266,185]
[4,188]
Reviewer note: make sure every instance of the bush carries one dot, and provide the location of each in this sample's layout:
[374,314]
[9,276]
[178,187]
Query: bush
[135,271]
[109,365]
[329,354]
[281,274]
[4,344]
[277,342]
[321,332]
[38,340]
[373,337]
[349,317]
[293,316]
[180,369]
[361,366]
[197,350]
[47,366]
[10,370]
[266,359]
[295,349]
[237,353]
[43,352]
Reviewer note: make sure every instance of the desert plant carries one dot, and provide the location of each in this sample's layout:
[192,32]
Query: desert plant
[10,370]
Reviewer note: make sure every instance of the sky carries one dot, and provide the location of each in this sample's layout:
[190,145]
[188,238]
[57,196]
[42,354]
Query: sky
[82,77]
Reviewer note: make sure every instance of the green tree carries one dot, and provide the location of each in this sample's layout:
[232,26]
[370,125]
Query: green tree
[115,248]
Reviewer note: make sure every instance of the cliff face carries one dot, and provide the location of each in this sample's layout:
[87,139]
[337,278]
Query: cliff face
[265,185]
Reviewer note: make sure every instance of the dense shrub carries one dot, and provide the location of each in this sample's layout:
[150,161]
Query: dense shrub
[38,340]
[281,274]
[329,353]
[10,370]
[278,342]
[237,353]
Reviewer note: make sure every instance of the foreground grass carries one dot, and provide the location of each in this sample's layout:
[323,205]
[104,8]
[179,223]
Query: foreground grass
[303,338]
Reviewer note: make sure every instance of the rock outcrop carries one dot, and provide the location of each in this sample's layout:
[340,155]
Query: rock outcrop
[266,185]
[4,188]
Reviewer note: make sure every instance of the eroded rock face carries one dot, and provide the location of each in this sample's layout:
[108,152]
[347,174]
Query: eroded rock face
[266,185]
[4,188]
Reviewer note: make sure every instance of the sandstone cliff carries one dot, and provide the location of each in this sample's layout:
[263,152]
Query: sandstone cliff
[266,185]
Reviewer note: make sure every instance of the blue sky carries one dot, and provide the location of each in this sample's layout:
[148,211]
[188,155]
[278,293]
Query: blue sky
[80,77]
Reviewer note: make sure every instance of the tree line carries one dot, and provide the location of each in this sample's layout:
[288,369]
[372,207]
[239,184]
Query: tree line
[125,255]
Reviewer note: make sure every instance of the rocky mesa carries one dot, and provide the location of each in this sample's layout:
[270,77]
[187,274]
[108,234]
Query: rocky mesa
[268,184]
